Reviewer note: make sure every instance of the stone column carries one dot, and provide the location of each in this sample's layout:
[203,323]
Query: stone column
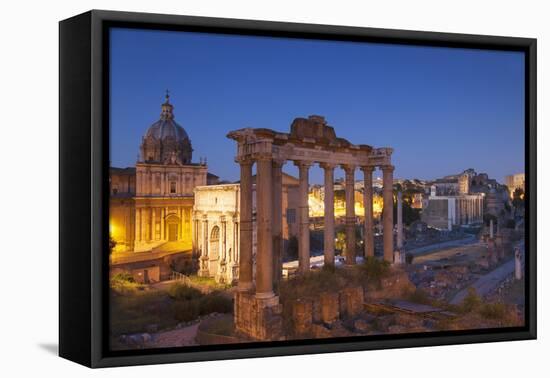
[204,270]
[303,216]
[517,263]
[245,236]
[235,240]
[264,214]
[399,220]
[180,226]
[154,224]
[388,211]
[223,222]
[138,224]
[277,226]
[329,214]
[143,228]
[350,213]
[367,204]
[398,255]
[162,218]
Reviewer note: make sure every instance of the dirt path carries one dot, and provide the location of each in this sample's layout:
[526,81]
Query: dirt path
[486,283]
[174,338]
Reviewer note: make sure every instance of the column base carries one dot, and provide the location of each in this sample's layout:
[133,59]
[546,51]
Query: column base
[258,319]
[203,267]
[245,286]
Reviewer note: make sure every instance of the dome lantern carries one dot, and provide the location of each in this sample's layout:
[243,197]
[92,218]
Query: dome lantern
[166,142]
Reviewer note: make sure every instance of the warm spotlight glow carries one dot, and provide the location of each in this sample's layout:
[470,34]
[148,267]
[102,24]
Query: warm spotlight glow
[317,206]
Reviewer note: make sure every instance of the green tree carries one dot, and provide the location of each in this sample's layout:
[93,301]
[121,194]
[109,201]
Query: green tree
[112,244]
[518,198]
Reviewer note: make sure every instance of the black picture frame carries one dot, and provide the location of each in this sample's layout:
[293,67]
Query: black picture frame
[84,190]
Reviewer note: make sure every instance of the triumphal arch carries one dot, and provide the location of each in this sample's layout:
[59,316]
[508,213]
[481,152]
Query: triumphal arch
[310,141]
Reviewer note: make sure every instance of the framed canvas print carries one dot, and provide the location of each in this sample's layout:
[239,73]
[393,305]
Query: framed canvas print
[234,188]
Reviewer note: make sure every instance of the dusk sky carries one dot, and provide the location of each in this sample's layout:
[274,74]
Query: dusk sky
[442,110]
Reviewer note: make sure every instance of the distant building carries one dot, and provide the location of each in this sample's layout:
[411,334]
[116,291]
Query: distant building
[514,182]
[444,212]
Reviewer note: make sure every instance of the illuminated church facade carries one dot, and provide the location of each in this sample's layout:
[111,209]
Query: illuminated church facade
[151,205]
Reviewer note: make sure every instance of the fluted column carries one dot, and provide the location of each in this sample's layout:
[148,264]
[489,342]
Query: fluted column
[138,224]
[388,211]
[162,218]
[303,216]
[245,238]
[277,226]
[350,213]
[329,213]
[264,214]
[367,204]
[152,224]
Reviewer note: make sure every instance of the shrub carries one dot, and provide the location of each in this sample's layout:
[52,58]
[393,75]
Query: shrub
[123,277]
[471,302]
[124,283]
[181,292]
[185,311]
[215,303]
[419,296]
[375,269]
[493,311]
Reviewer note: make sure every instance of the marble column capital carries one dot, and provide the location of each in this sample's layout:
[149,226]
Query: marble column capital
[348,168]
[278,163]
[263,157]
[302,164]
[387,168]
[328,166]
[244,161]
[367,169]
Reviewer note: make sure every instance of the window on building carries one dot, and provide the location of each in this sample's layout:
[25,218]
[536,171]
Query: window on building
[291,216]
[172,187]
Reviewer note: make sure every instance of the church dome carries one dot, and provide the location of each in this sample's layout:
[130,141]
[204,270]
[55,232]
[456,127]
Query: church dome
[165,141]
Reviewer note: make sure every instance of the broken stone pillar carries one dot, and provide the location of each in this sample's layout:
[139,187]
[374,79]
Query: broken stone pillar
[518,270]
[493,259]
[329,307]
[302,315]
[351,301]
[491,228]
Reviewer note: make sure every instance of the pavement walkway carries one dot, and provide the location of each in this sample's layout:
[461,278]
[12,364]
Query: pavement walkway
[485,284]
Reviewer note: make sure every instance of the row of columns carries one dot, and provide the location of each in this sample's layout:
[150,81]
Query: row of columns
[269,219]
[470,210]
[146,182]
[146,221]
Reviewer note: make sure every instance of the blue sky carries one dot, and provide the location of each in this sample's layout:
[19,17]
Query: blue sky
[442,110]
